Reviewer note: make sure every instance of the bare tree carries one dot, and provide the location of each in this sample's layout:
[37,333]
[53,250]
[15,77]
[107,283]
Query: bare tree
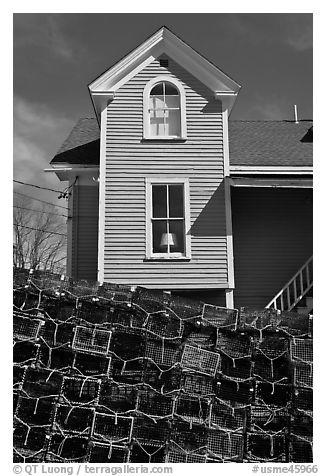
[39,236]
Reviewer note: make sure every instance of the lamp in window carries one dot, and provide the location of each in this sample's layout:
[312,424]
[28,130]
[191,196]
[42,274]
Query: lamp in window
[168,239]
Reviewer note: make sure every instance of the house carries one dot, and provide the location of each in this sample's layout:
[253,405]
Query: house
[168,193]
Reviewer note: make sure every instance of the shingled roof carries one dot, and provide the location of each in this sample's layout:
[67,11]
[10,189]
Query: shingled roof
[251,143]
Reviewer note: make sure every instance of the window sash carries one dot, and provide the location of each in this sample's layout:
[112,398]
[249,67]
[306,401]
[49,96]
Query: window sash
[159,106]
[167,219]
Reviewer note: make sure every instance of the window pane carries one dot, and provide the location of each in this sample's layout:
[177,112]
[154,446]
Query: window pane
[177,239]
[173,123]
[156,119]
[160,241]
[159,201]
[176,207]
[157,89]
[172,101]
[171,90]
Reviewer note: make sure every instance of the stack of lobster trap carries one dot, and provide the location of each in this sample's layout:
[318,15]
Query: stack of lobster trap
[116,374]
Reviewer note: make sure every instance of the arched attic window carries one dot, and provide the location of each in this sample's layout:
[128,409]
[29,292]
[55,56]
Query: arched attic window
[164,109]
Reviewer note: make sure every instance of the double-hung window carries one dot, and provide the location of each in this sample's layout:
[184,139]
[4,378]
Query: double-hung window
[168,219]
[164,109]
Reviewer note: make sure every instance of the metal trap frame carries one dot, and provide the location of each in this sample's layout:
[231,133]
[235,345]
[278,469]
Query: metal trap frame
[301,449]
[165,324]
[235,391]
[35,411]
[273,346]
[197,384]
[73,419]
[92,365]
[175,455]
[303,399]
[155,404]
[57,333]
[220,317]
[147,431]
[104,453]
[270,370]
[189,437]
[29,439]
[276,394]
[303,375]
[67,448]
[301,350]
[192,409]
[25,352]
[302,425]
[91,340]
[225,416]
[80,390]
[117,397]
[225,445]
[239,369]
[112,428]
[163,353]
[164,382]
[147,453]
[128,344]
[25,328]
[55,359]
[42,382]
[269,418]
[236,346]
[203,361]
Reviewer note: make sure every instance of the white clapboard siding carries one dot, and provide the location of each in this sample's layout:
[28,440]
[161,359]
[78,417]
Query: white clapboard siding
[130,159]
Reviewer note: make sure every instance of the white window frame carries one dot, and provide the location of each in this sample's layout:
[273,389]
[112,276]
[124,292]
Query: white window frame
[146,106]
[150,181]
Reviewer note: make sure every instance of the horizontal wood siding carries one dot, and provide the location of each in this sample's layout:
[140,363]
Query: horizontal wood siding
[272,237]
[85,232]
[130,159]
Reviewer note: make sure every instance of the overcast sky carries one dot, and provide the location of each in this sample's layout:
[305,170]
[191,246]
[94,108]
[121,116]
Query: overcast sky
[57,55]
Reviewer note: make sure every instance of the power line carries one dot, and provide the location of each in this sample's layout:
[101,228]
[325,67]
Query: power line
[40,211]
[37,186]
[38,229]
[43,201]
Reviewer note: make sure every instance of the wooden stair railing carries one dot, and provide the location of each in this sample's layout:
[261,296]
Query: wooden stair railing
[295,289]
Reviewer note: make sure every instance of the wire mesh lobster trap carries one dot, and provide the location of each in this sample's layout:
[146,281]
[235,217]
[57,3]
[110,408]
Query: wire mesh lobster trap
[91,340]
[301,449]
[197,384]
[73,419]
[164,382]
[165,324]
[35,411]
[269,418]
[203,337]
[130,372]
[192,409]
[150,301]
[25,328]
[234,345]
[147,453]
[42,382]
[295,324]
[104,453]
[92,310]
[266,447]
[258,320]
[303,399]
[117,397]
[203,361]
[271,370]
[273,346]
[25,352]
[80,390]
[128,344]
[177,455]
[67,448]
[235,369]
[225,445]
[147,431]
[91,365]
[56,358]
[303,375]
[302,424]
[184,308]
[28,439]
[225,416]
[235,391]
[18,376]
[58,309]
[277,394]
[189,437]
[57,333]
[154,404]
[163,353]
[220,317]
[112,428]
[301,350]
